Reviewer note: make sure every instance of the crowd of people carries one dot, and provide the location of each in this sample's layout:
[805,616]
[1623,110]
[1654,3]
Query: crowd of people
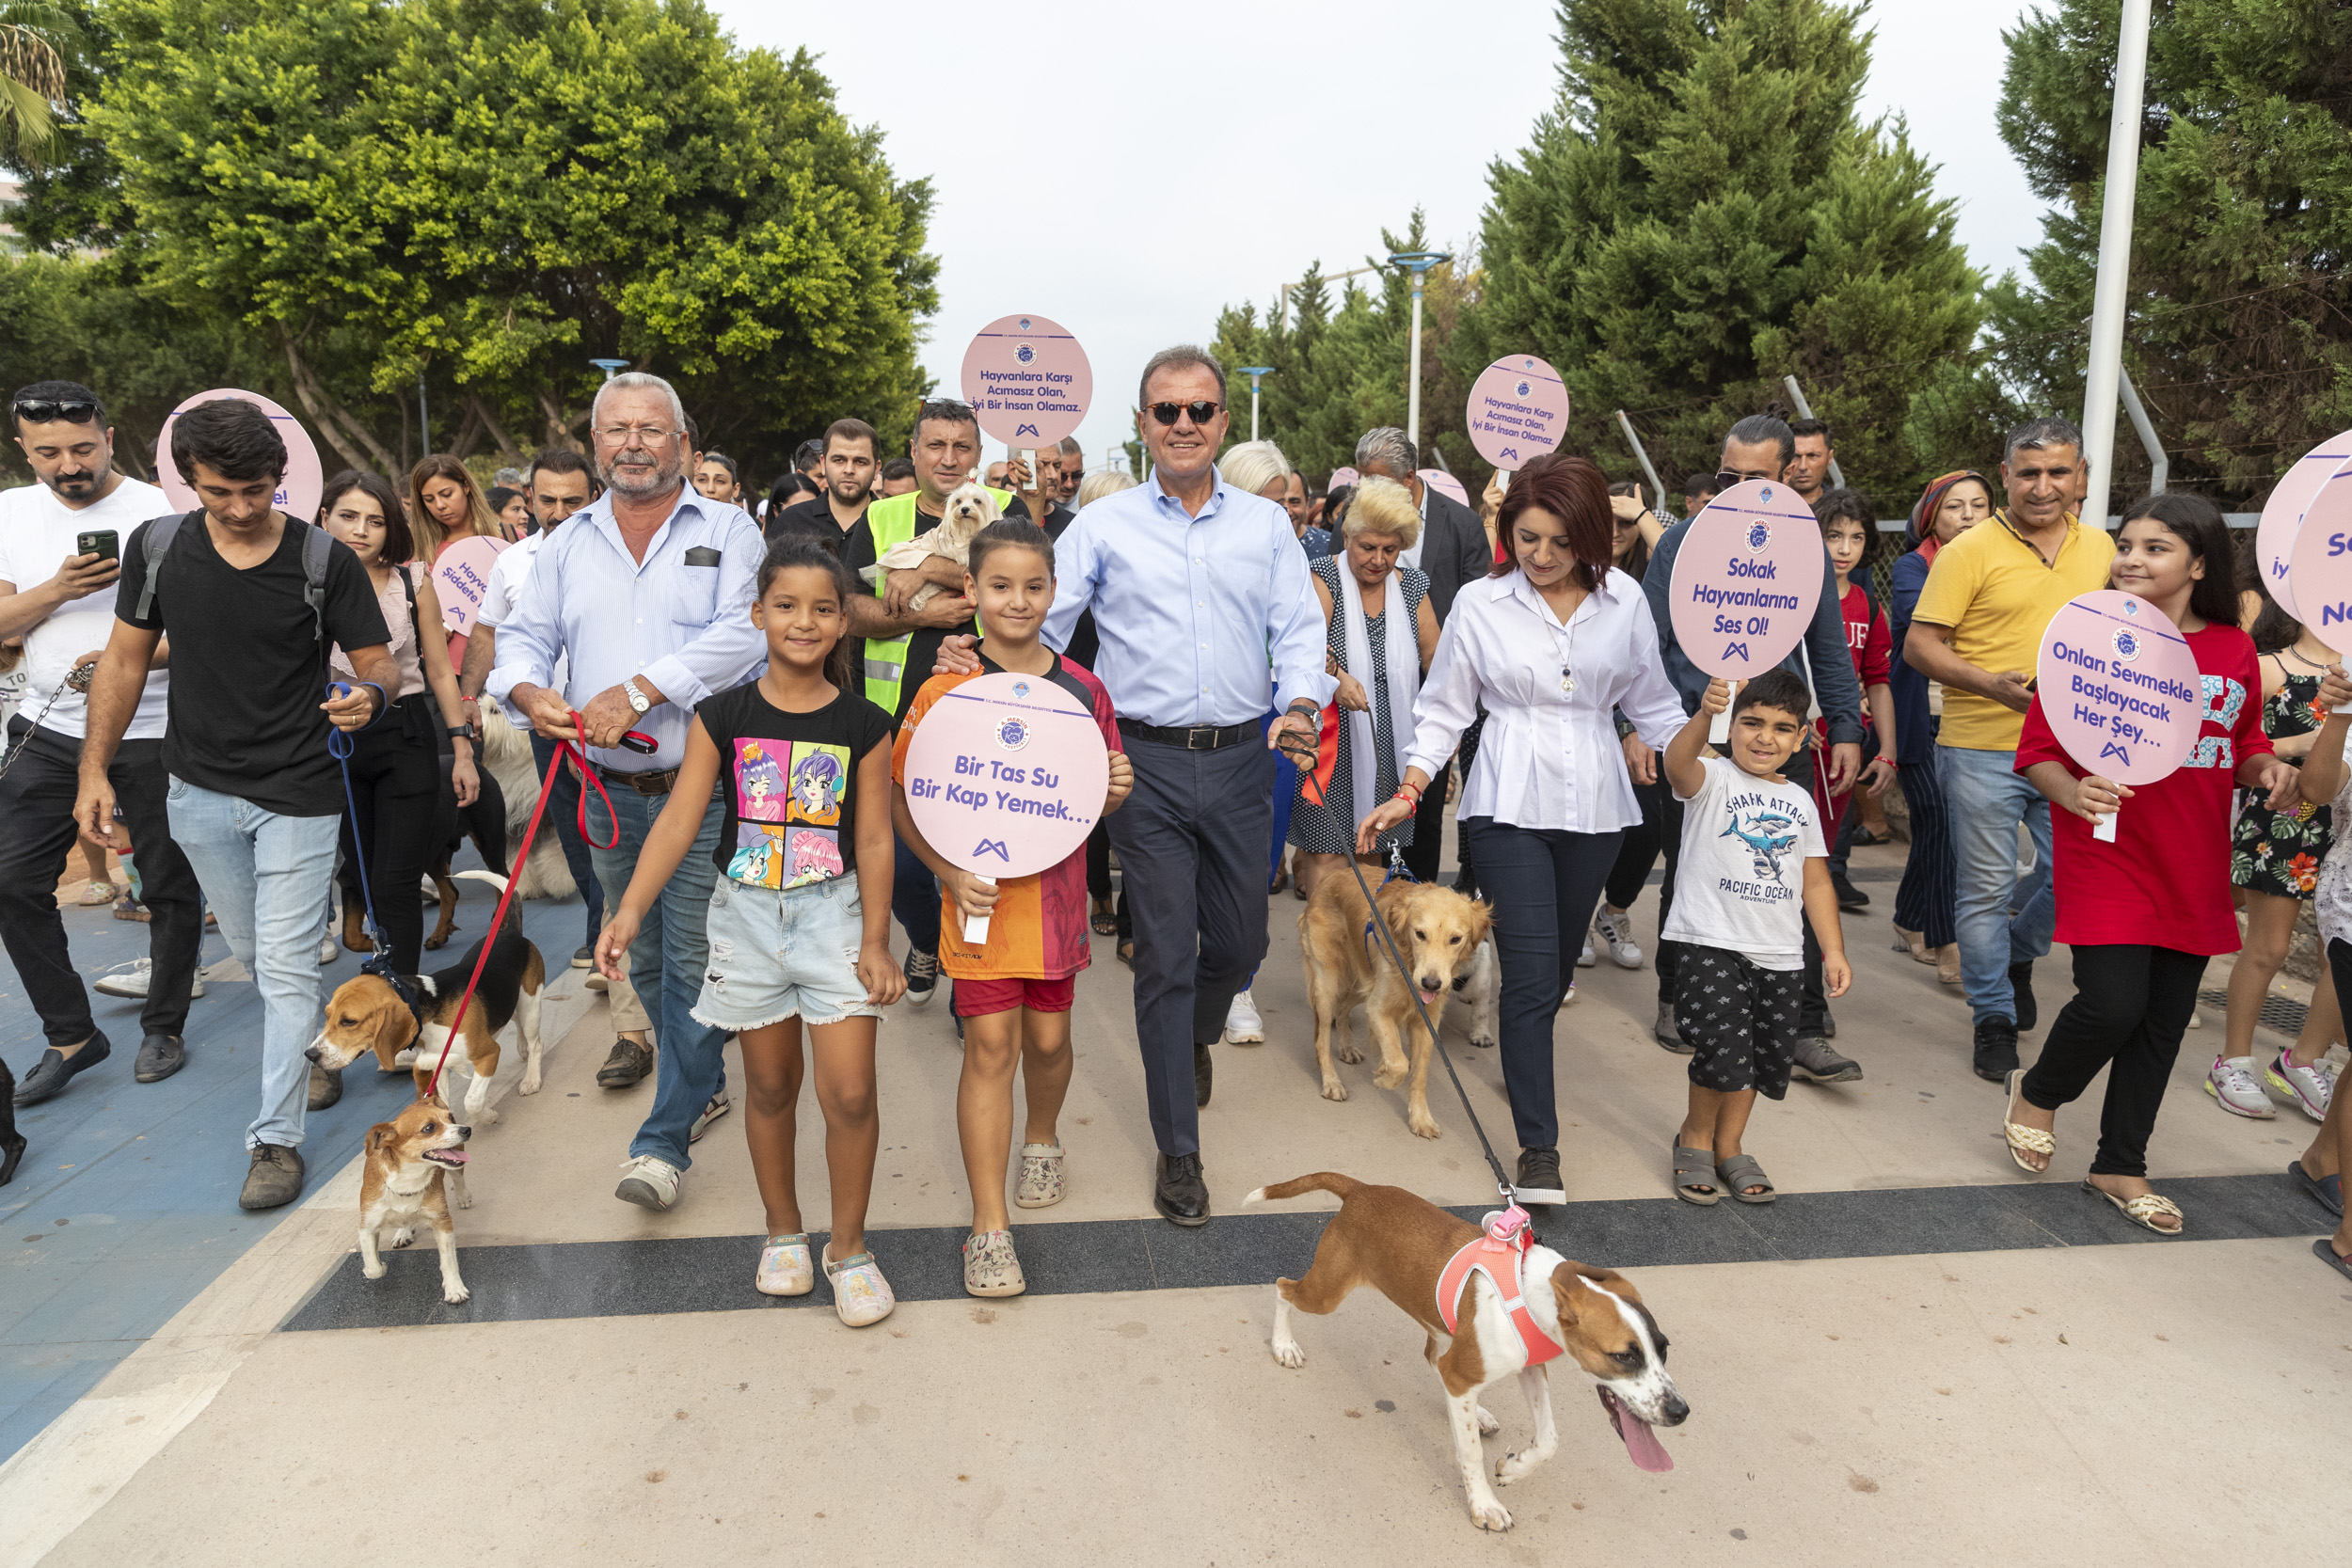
[744,674]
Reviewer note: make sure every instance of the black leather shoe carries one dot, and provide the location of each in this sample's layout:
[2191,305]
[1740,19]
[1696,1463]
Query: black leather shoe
[1202,1072]
[1849,897]
[2021,992]
[159,1058]
[628,1063]
[1997,1050]
[1539,1177]
[1179,1194]
[56,1069]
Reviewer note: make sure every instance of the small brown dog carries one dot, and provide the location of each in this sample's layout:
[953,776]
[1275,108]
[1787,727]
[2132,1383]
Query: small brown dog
[1437,932]
[1388,1238]
[416,1164]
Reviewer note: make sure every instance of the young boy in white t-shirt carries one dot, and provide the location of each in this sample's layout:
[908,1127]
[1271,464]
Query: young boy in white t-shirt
[1755,868]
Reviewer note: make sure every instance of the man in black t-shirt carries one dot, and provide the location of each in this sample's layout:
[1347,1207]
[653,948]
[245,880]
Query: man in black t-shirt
[849,482]
[251,609]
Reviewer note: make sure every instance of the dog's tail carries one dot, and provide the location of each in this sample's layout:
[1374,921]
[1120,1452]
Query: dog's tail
[1345,1187]
[513,910]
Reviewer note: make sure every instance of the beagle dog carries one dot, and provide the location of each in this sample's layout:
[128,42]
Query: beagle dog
[416,1164]
[1403,1244]
[369,1013]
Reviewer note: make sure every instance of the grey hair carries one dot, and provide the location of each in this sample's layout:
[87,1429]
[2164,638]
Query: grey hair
[2051,430]
[639,381]
[1253,465]
[1103,482]
[1181,357]
[1391,449]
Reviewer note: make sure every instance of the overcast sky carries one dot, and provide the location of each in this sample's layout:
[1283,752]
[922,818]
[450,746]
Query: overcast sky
[1185,157]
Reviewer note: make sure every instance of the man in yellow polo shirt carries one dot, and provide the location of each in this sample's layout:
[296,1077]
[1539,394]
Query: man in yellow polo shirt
[1977,631]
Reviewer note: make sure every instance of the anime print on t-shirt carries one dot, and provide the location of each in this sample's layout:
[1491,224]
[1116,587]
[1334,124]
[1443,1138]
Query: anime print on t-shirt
[787,802]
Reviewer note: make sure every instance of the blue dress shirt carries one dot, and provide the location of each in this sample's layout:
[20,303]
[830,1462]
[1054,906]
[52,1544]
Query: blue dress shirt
[685,626]
[1190,610]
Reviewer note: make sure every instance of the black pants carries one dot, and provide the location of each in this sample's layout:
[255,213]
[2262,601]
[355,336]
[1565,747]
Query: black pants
[561,786]
[1193,841]
[1543,883]
[1099,859]
[1429,846]
[395,788]
[36,833]
[1637,852]
[2131,1006]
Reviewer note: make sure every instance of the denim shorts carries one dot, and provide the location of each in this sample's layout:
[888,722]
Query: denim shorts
[779,954]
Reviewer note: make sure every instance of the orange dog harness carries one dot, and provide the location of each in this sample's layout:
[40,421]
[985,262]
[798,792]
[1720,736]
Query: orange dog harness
[1498,1253]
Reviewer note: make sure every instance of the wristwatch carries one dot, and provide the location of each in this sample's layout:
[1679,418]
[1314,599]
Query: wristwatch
[462,731]
[638,701]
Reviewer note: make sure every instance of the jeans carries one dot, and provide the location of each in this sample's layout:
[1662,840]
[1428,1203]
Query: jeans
[36,833]
[915,899]
[1543,883]
[561,787]
[2131,1006]
[266,878]
[1192,844]
[666,963]
[1985,799]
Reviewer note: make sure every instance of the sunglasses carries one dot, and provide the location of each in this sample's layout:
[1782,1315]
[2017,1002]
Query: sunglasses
[1202,413]
[46,410]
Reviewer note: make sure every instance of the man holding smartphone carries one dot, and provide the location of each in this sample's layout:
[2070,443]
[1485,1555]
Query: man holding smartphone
[60,549]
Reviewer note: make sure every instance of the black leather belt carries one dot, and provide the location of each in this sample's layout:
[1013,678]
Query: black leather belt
[1197,737]
[643,783]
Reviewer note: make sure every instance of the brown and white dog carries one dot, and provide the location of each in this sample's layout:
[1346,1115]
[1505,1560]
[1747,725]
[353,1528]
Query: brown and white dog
[970,508]
[416,1164]
[1439,933]
[367,1014]
[1388,1238]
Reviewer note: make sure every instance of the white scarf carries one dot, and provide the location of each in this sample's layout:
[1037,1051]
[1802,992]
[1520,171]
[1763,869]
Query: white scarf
[1404,675]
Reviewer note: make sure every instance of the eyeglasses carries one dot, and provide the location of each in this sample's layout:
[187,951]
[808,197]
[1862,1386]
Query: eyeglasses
[1725,479]
[1202,413]
[45,410]
[622,434]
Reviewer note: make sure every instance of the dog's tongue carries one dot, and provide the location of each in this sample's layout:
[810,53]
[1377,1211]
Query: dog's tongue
[1641,1443]
[450,1156]
[1428,997]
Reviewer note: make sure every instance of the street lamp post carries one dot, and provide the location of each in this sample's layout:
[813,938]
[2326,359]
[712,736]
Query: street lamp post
[1255,374]
[1418,263]
[610,366]
[2114,260]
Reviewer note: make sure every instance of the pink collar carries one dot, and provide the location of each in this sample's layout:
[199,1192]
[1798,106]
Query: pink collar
[1498,1252]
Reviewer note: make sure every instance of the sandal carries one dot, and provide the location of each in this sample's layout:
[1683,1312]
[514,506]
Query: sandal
[2024,1140]
[1040,1186]
[1104,920]
[2325,1250]
[785,1267]
[989,1266]
[1740,1173]
[1127,954]
[2329,1190]
[860,1293]
[128,907]
[1695,1176]
[95,894]
[2143,1210]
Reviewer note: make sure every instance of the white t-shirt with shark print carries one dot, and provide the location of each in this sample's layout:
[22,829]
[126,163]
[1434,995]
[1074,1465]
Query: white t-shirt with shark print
[1740,885]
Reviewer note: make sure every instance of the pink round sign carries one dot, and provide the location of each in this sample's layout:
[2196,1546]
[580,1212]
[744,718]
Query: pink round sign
[1747,580]
[2319,568]
[298,492]
[1005,774]
[461,577]
[2120,687]
[1443,482]
[2290,498]
[1518,409]
[1027,380]
[1344,476]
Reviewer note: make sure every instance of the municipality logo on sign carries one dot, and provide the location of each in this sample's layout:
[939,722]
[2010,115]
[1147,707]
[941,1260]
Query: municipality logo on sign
[1012,734]
[1024,354]
[2126,645]
[1024,324]
[1758,536]
[1020,688]
[1768,493]
[1523,389]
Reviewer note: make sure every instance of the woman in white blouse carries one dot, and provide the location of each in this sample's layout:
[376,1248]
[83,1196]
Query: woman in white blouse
[1550,645]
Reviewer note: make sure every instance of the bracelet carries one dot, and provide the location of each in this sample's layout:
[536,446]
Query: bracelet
[1408,793]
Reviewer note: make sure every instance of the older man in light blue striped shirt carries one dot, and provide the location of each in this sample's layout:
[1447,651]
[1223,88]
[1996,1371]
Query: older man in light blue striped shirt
[647,592]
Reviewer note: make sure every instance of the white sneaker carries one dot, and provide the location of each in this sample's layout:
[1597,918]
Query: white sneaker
[650,1182]
[131,980]
[1615,931]
[2235,1088]
[1242,1027]
[2311,1087]
[330,951]
[431,891]
[1585,959]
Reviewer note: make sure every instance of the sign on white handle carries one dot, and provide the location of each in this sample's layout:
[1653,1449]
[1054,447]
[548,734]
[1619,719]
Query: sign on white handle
[976,927]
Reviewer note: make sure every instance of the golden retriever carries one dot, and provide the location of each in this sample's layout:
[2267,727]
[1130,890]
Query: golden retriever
[1437,932]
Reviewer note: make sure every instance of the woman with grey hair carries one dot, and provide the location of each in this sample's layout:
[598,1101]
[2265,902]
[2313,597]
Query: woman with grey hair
[1384,632]
[1256,467]
[1103,482]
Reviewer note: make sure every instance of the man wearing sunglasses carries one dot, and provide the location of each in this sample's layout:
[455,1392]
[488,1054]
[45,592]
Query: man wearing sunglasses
[1195,587]
[64,610]
[1759,446]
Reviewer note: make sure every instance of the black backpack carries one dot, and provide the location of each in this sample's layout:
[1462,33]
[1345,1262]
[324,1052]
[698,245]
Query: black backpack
[316,543]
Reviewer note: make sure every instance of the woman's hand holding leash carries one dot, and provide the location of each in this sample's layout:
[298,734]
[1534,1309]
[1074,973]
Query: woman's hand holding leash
[1351,694]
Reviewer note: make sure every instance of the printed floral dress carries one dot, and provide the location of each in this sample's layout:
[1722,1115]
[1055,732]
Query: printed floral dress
[2279,852]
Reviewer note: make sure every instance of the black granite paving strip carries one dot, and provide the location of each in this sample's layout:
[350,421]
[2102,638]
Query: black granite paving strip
[709,1274]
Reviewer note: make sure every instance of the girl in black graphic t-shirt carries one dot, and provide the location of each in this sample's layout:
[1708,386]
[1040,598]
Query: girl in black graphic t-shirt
[805,860]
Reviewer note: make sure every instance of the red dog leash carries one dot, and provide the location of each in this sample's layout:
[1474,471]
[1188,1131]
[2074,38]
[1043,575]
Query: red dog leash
[588,778]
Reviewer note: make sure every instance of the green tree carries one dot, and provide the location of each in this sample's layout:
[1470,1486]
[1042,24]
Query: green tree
[1703,213]
[36,37]
[2240,330]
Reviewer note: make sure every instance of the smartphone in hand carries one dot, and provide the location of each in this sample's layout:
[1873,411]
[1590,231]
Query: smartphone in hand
[105,543]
